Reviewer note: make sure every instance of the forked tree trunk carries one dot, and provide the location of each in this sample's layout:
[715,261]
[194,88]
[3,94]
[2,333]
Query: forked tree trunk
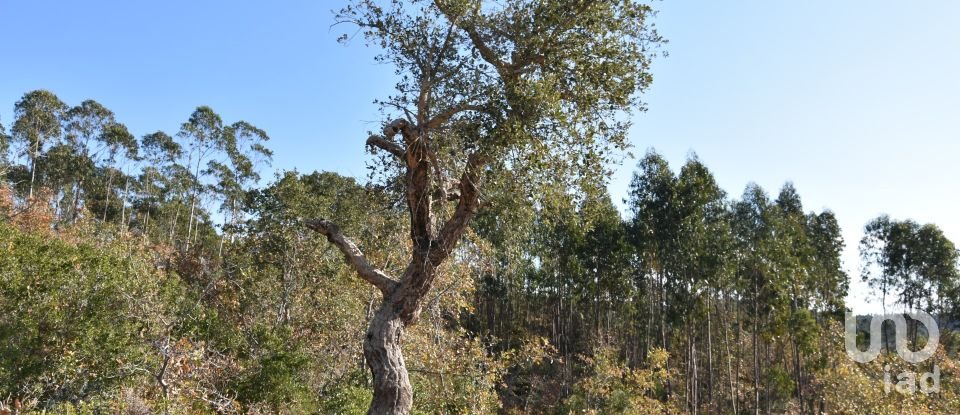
[403,297]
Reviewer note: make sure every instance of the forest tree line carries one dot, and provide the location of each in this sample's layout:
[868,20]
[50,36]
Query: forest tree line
[155,274]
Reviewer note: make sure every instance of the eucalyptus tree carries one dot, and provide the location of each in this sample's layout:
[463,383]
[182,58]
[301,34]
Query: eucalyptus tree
[38,115]
[824,288]
[795,280]
[114,138]
[245,149]
[84,123]
[793,254]
[881,259]
[161,153]
[180,184]
[94,138]
[788,267]
[59,167]
[705,263]
[654,233]
[517,260]
[753,228]
[203,134]
[703,239]
[937,265]
[830,282]
[681,233]
[534,87]
[910,261]
[582,272]
[605,256]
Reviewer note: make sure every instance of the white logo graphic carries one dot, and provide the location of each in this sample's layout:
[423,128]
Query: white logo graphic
[929,382]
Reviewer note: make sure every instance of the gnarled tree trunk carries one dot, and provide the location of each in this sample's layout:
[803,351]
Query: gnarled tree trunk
[471,77]
[403,297]
[392,392]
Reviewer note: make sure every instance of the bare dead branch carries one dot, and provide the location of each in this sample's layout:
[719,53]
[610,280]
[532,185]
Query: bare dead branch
[354,256]
[383,143]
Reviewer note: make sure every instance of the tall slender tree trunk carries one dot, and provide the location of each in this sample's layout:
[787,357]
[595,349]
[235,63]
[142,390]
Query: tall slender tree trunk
[123,207]
[146,224]
[687,364]
[709,356]
[176,219]
[193,205]
[695,381]
[651,311]
[663,327]
[798,369]
[146,220]
[756,347]
[740,352]
[76,202]
[33,168]
[193,200]
[730,375]
[106,203]
[663,312]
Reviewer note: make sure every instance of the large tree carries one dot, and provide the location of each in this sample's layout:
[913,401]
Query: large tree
[161,153]
[203,133]
[237,171]
[914,262]
[87,126]
[37,121]
[539,89]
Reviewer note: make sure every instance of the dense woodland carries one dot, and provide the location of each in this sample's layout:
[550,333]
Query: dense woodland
[135,281]
[158,272]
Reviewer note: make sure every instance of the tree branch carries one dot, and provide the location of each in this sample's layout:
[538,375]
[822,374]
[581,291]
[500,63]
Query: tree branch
[449,113]
[354,256]
[383,143]
[418,180]
[466,209]
[486,53]
[447,44]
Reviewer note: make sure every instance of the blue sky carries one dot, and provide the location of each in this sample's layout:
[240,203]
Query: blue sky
[854,101]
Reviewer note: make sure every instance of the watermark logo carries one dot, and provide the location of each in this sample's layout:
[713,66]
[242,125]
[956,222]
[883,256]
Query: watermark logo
[907,381]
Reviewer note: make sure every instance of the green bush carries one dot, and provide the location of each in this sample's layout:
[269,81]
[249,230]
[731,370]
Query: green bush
[74,317]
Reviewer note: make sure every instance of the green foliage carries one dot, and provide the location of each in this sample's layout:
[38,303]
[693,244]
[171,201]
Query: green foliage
[123,291]
[540,89]
[542,309]
[278,380]
[37,119]
[614,388]
[348,399]
[75,317]
[910,261]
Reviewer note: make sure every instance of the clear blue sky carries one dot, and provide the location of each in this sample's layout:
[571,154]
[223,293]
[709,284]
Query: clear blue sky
[856,102]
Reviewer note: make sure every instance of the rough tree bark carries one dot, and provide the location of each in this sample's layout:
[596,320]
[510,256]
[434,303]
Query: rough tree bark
[403,297]
[456,58]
